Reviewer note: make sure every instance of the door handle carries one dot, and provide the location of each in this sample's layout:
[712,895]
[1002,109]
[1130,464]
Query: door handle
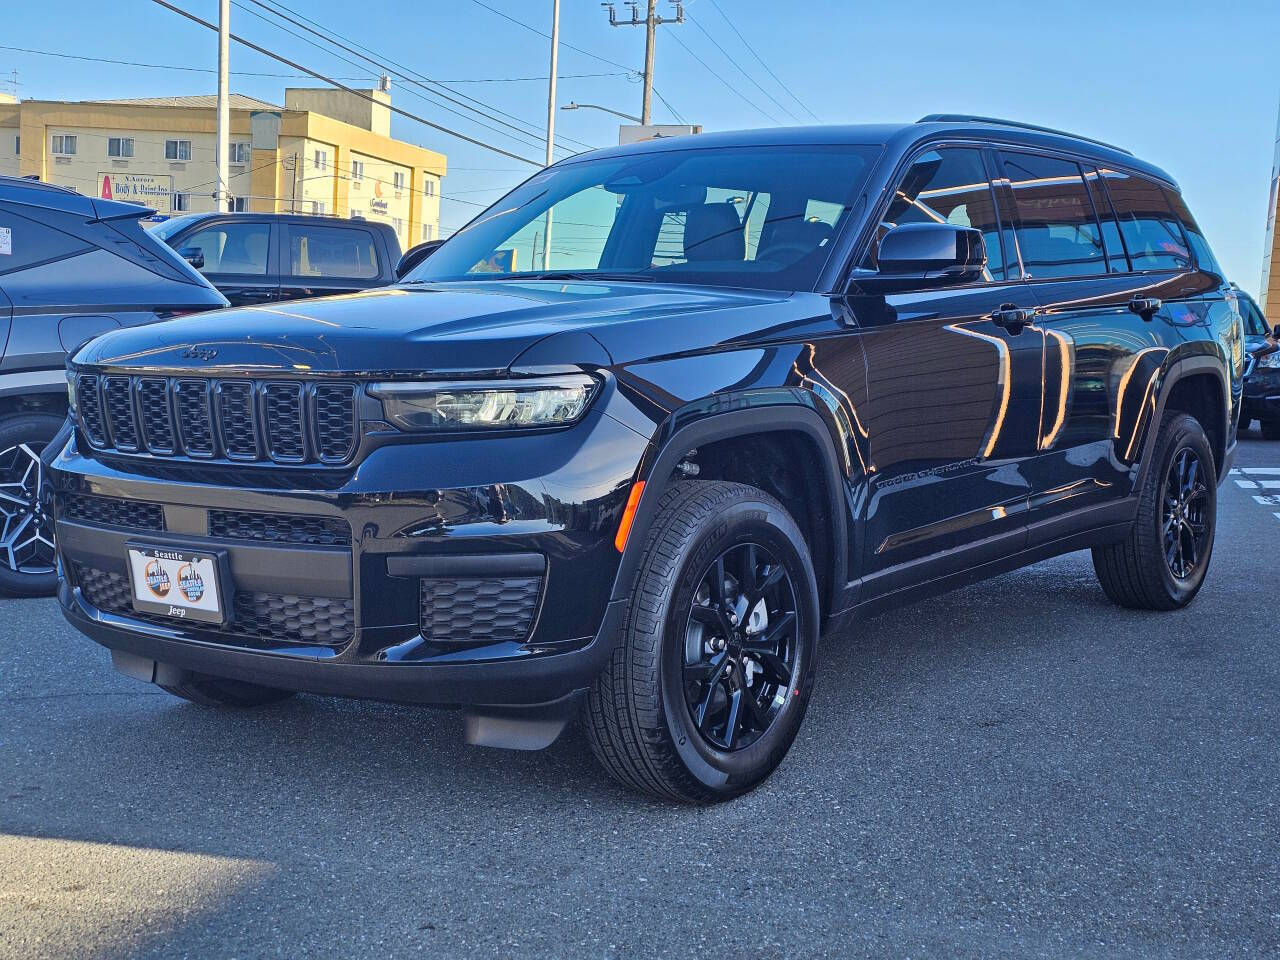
[1012,317]
[1145,307]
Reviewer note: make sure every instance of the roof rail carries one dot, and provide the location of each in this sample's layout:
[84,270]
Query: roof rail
[967,118]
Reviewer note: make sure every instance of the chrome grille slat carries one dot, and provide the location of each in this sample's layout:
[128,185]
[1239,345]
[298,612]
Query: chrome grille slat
[237,419]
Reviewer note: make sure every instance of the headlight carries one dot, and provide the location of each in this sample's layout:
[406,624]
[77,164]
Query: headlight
[485,405]
[1272,359]
[71,390]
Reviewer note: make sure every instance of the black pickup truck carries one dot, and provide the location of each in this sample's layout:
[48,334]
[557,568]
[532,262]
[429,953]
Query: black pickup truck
[265,257]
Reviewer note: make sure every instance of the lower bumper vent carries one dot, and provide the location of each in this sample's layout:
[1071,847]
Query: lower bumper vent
[326,621]
[488,610]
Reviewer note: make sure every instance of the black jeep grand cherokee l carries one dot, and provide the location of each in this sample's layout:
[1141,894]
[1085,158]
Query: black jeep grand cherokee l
[630,441]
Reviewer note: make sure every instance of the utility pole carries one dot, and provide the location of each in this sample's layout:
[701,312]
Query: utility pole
[222,151]
[651,22]
[551,116]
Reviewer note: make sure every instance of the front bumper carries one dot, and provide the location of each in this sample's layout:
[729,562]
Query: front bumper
[415,576]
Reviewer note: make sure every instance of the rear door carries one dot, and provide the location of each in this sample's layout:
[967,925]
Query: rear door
[1091,273]
[239,257]
[324,259]
[953,396]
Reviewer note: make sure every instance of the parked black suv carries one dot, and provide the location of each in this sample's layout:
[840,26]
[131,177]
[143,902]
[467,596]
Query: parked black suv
[266,257]
[71,267]
[1262,373]
[755,384]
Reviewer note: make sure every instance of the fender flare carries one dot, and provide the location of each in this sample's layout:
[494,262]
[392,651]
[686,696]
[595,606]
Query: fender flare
[1180,369]
[662,456]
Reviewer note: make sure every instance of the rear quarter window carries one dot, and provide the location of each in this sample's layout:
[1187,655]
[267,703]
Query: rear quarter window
[1152,233]
[31,243]
[332,252]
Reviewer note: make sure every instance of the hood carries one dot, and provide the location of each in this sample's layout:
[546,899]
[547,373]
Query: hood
[438,329]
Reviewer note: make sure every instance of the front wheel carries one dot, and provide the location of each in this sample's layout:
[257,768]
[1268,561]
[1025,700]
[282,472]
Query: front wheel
[710,680]
[1162,563]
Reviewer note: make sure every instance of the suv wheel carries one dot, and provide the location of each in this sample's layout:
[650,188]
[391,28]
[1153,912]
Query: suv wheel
[711,677]
[1162,563]
[1270,429]
[221,692]
[27,564]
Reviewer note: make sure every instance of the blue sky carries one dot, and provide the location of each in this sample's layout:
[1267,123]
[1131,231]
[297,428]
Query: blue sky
[1192,86]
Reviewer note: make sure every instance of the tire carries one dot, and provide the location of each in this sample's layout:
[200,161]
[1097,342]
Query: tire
[640,714]
[222,692]
[27,564]
[1270,429]
[1142,572]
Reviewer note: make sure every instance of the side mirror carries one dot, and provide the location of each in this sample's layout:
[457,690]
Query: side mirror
[193,256]
[414,256]
[1275,332]
[920,255]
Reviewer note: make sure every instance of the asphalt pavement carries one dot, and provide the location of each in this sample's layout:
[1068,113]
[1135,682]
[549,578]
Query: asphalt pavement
[1018,769]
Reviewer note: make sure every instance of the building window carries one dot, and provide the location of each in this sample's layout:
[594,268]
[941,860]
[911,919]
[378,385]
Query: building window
[429,188]
[397,225]
[181,202]
[64,146]
[357,169]
[121,147]
[17,145]
[397,179]
[321,159]
[239,204]
[317,208]
[240,152]
[177,149]
[428,232]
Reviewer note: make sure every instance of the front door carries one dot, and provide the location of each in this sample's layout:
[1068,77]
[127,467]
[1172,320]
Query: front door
[953,394]
[238,258]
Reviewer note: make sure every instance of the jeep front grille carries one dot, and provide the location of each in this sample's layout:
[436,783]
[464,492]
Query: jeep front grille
[240,420]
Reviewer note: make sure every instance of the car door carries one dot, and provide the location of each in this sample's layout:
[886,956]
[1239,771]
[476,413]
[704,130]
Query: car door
[1105,323]
[952,396]
[237,255]
[325,259]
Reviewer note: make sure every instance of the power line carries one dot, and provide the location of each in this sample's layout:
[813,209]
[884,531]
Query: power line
[764,63]
[736,92]
[356,93]
[404,72]
[781,106]
[161,66]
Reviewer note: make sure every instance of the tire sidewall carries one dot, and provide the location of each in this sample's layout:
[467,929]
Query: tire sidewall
[766,524]
[1187,434]
[17,429]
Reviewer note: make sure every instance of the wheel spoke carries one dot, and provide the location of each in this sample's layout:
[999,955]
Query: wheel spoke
[775,668]
[703,671]
[768,641]
[735,716]
[707,616]
[757,717]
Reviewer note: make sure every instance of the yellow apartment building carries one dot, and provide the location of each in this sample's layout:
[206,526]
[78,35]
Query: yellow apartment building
[323,151]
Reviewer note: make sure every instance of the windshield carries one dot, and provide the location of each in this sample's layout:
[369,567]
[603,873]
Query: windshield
[167,228]
[742,216]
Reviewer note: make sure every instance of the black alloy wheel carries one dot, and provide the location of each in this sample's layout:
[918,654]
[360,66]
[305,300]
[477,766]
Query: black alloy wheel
[1185,498]
[740,647]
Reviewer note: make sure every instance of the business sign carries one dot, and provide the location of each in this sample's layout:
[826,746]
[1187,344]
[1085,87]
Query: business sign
[635,133]
[150,189]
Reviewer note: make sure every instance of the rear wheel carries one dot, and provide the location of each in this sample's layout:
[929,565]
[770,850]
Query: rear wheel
[1270,429]
[712,675]
[1162,563]
[27,565]
[221,692]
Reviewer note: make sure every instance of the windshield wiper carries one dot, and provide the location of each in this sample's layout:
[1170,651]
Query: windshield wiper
[586,275]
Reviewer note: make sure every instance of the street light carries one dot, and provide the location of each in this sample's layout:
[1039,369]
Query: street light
[595,106]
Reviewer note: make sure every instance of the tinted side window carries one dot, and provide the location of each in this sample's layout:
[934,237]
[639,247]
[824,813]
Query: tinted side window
[1058,234]
[1117,260]
[1199,245]
[316,251]
[1255,324]
[949,185]
[232,247]
[1151,233]
[31,242]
